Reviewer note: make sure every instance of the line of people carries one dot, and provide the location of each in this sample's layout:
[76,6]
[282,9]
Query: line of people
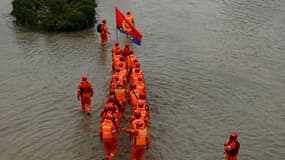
[127,86]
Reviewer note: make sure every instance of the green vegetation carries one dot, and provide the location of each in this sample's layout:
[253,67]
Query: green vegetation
[54,15]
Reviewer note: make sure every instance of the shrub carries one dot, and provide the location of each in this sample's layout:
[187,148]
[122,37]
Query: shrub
[55,15]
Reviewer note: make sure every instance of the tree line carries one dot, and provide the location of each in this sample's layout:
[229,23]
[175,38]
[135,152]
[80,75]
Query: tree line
[54,15]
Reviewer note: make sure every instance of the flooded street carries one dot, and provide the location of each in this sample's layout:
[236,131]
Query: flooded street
[211,67]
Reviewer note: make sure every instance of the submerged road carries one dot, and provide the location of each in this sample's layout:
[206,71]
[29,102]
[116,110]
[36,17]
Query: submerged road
[211,67]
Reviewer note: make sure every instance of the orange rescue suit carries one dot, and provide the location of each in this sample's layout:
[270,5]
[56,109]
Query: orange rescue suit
[108,135]
[85,92]
[120,93]
[231,148]
[140,141]
[104,34]
[130,19]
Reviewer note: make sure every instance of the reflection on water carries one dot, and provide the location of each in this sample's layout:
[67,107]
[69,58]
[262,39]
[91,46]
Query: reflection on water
[210,66]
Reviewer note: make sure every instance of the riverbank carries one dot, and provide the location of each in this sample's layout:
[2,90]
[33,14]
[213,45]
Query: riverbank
[54,15]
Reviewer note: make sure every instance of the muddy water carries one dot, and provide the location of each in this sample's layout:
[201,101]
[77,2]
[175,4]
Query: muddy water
[211,67]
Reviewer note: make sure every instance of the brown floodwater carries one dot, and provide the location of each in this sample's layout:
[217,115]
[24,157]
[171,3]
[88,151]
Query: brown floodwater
[211,67]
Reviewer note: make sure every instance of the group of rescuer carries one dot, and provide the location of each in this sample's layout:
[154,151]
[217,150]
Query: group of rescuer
[127,86]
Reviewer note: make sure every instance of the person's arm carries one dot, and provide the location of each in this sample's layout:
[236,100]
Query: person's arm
[78,92]
[91,90]
[147,141]
[228,147]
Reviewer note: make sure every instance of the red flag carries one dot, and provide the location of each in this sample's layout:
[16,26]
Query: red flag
[124,26]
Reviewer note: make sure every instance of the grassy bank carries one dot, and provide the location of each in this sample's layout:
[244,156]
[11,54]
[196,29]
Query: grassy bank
[54,15]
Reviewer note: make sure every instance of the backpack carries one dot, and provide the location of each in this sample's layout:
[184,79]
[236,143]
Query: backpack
[99,28]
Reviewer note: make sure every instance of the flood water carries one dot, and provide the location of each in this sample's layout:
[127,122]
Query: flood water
[211,67]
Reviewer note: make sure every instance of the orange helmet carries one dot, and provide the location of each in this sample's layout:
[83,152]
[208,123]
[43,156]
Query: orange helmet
[140,124]
[133,85]
[121,65]
[111,98]
[140,78]
[109,116]
[116,77]
[122,58]
[137,114]
[142,95]
[137,70]
[233,136]
[140,104]
[117,69]
[138,64]
[127,45]
[84,78]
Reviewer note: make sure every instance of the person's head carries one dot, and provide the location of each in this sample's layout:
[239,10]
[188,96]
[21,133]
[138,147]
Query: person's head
[84,78]
[127,45]
[116,78]
[112,92]
[117,43]
[111,98]
[122,58]
[119,85]
[137,114]
[104,21]
[142,95]
[121,65]
[140,78]
[128,13]
[140,104]
[137,70]
[131,52]
[233,136]
[133,86]
[109,116]
[117,69]
[137,64]
[140,124]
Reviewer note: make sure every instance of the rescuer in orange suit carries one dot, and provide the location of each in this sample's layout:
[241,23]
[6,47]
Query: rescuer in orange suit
[130,18]
[108,134]
[140,140]
[104,33]
[85,92]
[231,147]
[127,50]
[116,47]
[120,93]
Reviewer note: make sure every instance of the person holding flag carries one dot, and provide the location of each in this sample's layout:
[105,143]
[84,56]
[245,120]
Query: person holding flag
[126,27]
[130,18]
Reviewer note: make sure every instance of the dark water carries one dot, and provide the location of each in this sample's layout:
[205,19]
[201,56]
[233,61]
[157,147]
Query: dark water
[211,67]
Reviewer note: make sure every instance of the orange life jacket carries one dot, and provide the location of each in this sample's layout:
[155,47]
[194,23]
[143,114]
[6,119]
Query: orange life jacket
[144,114]
[108,129]
[130,19]
[120,94]
[116,49]
[141,137]
[140,86]
[134,96]
[234,152]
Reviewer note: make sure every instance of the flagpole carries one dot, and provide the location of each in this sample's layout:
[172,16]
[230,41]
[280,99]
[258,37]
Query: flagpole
[116,26]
